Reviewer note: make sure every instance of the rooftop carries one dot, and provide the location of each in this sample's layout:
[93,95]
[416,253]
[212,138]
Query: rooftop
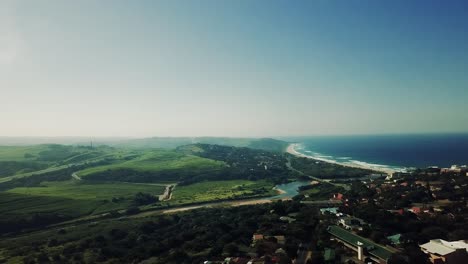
[372,248]
[442,247]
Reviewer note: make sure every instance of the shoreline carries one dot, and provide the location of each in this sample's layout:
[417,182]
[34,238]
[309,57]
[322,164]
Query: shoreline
[292,150]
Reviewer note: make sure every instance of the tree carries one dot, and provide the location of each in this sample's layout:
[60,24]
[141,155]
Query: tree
[231,249]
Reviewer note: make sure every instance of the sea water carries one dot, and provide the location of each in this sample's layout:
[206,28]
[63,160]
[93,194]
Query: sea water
[388,151]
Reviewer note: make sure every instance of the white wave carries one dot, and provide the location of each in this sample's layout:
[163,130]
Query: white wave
[346,161]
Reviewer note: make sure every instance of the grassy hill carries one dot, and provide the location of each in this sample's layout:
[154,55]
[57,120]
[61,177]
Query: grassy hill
[16,160]
[174,142]
[154,166]
[47,184]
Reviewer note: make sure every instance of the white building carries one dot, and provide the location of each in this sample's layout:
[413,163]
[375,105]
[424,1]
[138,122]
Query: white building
[449,252]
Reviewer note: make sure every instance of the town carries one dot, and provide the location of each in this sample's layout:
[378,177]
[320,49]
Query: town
[414,217]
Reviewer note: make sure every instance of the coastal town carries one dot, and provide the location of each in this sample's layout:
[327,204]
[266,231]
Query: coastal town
[416,216]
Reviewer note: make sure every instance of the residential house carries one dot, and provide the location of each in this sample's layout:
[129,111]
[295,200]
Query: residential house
[446,252]
[338,196]
[395,239]
[351,223]
[329,210]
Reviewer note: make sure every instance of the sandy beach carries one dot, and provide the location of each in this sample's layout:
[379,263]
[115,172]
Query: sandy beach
[292,150]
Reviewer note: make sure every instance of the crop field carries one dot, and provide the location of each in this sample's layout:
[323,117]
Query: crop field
[218,190]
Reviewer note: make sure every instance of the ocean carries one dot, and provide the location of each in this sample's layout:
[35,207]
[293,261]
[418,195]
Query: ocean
[398,152]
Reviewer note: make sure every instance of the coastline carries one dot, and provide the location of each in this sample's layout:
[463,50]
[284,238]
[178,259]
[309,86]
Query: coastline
[292,150]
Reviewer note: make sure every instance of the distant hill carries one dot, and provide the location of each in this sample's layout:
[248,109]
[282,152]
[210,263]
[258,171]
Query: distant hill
[153,142]
[174,142]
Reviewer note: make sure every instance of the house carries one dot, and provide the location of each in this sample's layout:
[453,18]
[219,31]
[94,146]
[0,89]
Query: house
[415,210]
[395,239]
[351,223]
[364,247]
[256,238]
[399,211]
[448,252]
[280,240]
[338,196]
[329,210]
[287,219]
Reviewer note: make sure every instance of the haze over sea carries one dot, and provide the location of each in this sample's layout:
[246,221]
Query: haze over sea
[391,151]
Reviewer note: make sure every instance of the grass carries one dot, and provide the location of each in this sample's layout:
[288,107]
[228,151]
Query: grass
[17,205]
[83,191]
[17,153]
[72,198]
[220,190]
[159,160]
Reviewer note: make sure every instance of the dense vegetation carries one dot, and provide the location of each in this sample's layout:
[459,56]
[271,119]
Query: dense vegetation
[174,142]
[13,167]
[326,170]
[80,188]
[244,163]
[195,163]
[190,237]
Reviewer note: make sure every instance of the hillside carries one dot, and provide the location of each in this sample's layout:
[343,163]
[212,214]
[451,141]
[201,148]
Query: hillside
[174,142]
[18,160]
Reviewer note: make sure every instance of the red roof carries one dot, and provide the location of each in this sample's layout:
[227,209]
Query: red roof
[257,236]
[338,196]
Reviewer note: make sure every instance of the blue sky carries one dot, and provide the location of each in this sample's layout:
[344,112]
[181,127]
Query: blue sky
[232,68]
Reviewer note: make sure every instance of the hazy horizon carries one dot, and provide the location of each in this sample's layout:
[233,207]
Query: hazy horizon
[232,69]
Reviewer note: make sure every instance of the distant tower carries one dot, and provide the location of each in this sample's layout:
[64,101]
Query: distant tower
[91,143]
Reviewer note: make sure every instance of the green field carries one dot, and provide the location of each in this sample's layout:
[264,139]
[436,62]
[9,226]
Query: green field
[72,198]
[83,191]
[18,205]
[220,190]
[159,160]
[17,153]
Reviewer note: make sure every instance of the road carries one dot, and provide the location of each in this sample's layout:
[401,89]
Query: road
[167,195]
[76,177]
[303,253]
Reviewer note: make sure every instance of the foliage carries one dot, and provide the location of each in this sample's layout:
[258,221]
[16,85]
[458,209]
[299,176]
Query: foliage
[326,170]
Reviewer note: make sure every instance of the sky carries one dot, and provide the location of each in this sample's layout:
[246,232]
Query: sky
[232,68]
